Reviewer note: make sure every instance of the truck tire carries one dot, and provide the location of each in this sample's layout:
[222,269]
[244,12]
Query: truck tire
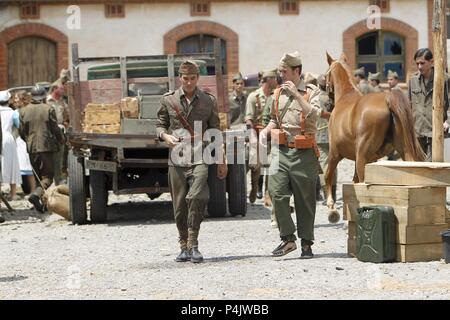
[217,205]
[77,190]
[99,196]
[237,192]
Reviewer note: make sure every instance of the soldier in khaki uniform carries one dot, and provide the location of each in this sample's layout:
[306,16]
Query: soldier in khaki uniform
[39,129]
[56,100]
[237,100]
[188,178]
[325,105]
[361,82]
[392,78]
[256,102]
[298,168]
[420,93]
[374,79]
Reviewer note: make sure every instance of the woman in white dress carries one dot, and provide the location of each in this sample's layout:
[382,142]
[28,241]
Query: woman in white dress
[10,160]
[21,99]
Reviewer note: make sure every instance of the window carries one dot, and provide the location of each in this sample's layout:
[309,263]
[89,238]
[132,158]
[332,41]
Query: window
[381,51]
[382,4]
[203,43]
[29,11]
[200,8]
[114,10]
[288,7]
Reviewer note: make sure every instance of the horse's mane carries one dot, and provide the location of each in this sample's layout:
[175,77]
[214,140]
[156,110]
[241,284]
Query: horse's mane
[349,72]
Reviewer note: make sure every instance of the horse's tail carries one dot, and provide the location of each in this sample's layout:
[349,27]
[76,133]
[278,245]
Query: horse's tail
[403,117]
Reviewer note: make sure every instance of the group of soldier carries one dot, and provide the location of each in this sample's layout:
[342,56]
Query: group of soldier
[293,109]
[43,120]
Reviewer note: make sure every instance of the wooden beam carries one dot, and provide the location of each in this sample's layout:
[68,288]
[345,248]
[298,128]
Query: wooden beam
[439,48]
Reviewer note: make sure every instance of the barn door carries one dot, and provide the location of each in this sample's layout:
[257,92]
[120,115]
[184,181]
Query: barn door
[31,60]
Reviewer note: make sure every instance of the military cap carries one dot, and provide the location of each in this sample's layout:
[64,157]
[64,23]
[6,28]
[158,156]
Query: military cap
[374,76]
[38,93]
[269,73]
[237,76]
[360,72]
[188,67]
[392,74]
[321,80]
[290,60]
[5,96]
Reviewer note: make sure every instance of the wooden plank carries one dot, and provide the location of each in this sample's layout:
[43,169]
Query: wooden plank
[408,196]
[419,252]
[419,215]
[404,173]
[352,230]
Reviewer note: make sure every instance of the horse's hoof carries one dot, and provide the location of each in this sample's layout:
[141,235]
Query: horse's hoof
[333,216]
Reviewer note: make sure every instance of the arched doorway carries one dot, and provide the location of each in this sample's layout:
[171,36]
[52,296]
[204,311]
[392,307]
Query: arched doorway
[25,69]
[203,43]
[50,42]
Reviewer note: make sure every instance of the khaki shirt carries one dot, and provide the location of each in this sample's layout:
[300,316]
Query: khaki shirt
[237,108]
[322,124]
[256,103]
[202,107]
[292,118]
[376,89]
[364,87]
[421,97]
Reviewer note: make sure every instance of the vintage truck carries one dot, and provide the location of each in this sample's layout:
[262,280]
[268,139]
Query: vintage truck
[134,160]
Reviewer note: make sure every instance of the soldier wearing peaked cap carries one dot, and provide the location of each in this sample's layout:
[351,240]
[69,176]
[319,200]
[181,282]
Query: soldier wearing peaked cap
[237,100]
[256,103]
[361,82]
[188,178]
[294,112]
[374,79]
[392,78]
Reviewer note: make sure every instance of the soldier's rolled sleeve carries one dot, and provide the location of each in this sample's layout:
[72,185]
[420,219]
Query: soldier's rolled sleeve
[214,121]
[315,110]
[163,119]
[250,108]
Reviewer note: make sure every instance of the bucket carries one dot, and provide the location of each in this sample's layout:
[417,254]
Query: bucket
[446,247]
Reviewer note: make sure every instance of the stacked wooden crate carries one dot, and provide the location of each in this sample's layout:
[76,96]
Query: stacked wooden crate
[101,118]
[417,192]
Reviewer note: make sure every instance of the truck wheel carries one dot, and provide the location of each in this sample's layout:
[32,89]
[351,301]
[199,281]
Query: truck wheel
[237,192]
[77,191]
[99,196]
[217,205]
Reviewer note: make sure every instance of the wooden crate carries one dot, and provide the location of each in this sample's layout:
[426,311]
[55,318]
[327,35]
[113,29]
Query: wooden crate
[129,108]
[419,252]
[405,173]
[101,118]
[351,247]
[413,205]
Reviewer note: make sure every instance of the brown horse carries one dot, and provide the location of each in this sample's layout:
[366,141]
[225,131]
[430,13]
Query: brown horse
[365,128]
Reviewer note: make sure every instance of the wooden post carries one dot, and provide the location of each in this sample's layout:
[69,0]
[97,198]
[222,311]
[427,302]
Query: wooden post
[219,75]
[439,46]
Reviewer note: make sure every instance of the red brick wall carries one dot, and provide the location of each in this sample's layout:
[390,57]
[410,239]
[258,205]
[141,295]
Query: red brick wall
[192,28]
[388,24]
[31,29]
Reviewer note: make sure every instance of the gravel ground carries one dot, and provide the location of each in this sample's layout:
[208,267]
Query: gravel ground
[132,257]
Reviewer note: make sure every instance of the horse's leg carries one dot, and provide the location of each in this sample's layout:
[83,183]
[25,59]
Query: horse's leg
[333,160]
[355,175]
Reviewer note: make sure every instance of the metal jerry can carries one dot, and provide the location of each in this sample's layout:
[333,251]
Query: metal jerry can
[375,234]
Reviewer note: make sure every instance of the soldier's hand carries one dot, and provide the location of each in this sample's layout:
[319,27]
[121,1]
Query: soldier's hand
[222,170]
[170,140]
[290,88]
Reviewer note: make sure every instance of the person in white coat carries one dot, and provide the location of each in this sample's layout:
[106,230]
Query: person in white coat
[10,160]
